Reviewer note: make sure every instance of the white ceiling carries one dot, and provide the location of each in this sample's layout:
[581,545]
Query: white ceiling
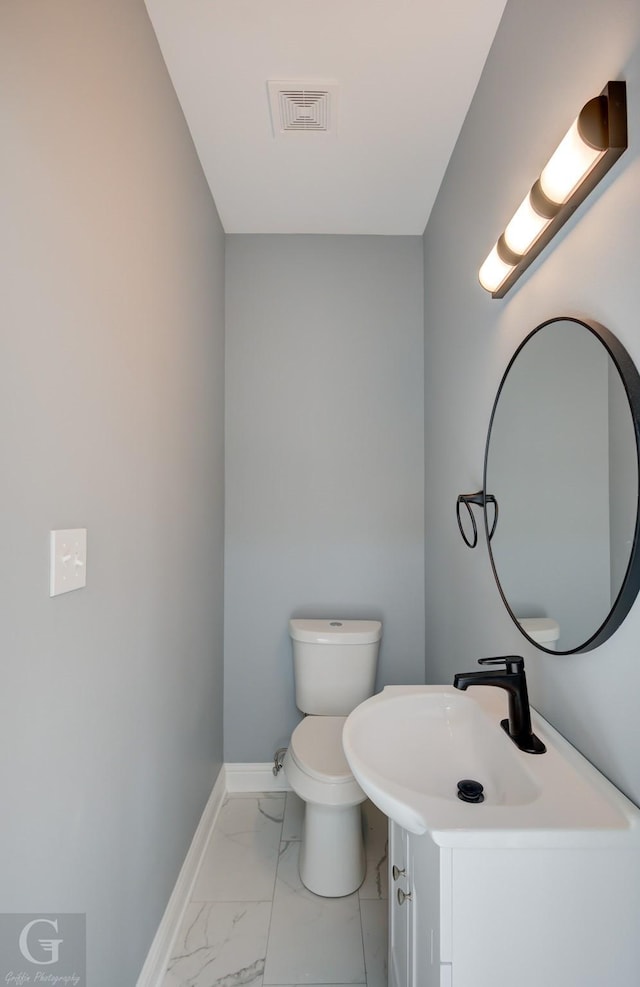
[407,71]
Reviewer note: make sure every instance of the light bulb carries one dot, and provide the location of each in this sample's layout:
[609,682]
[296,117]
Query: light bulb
[494,271]
[568,166]
[525,227]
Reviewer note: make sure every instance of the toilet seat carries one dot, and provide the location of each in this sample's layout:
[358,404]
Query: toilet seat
[316,767]
[316,745]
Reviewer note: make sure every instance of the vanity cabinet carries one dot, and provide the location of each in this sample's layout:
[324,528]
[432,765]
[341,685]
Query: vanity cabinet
[500,916]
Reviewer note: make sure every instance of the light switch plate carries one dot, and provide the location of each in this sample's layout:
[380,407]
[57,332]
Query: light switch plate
[68,565]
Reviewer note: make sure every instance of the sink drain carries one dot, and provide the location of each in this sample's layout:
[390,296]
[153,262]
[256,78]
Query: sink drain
[470,791]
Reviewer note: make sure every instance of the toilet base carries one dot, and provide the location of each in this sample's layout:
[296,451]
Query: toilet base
[332,860]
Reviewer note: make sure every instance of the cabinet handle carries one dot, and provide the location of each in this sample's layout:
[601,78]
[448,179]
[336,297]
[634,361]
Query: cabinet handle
[397,872]
[402,896]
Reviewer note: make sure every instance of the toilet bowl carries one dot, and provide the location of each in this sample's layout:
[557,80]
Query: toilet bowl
[334,667]
[332,860]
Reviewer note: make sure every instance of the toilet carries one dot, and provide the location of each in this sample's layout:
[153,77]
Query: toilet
[545,631]
[335,665]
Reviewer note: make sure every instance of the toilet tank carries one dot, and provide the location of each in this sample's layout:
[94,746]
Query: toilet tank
[545,631]
[334,663]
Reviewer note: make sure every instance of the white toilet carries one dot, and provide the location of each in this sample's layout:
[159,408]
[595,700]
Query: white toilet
[335,670]
[545,631]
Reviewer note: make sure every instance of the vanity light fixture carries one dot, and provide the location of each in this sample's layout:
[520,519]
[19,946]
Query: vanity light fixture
[595,140]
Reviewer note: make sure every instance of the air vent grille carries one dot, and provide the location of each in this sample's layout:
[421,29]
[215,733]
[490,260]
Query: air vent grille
[303,107]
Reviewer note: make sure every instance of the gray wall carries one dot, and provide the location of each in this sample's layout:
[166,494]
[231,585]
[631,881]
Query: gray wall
[111,384]
[324,462]
[535,81]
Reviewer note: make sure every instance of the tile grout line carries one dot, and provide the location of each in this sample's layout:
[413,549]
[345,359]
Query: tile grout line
[364,955]
[273,891]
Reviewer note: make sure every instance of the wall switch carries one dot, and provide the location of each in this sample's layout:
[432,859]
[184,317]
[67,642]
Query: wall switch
[68,566]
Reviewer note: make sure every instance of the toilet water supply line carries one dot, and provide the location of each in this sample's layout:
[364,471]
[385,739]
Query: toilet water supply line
[278,760]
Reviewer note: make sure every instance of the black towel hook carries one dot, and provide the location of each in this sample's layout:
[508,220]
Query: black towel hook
[480,499]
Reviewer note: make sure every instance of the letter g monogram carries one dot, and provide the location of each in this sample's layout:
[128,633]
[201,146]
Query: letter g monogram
[47,945]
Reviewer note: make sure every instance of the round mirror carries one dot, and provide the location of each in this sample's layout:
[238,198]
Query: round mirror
[562,462]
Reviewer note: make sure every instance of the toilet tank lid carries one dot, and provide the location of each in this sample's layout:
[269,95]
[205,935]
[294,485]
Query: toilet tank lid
[543,630]
[335,631]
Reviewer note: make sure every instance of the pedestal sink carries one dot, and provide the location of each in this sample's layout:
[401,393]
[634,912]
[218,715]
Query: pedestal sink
[409,746]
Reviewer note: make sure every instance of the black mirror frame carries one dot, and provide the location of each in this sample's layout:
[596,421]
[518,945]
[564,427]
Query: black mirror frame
[631,582]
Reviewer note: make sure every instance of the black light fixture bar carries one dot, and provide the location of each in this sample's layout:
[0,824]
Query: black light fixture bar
[601,127]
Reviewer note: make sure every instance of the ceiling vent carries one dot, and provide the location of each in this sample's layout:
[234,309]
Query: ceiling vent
[303,107]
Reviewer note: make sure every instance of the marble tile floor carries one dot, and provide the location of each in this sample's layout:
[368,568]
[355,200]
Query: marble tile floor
[252,922]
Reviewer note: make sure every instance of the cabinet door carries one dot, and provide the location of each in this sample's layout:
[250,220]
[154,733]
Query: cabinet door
[430,877]
[399,911]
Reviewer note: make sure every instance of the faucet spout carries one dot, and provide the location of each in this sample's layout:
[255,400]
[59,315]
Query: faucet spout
[512,679]
[463,680]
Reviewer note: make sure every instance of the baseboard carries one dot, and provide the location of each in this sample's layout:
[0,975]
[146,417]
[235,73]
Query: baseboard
[255,777]
[157,961]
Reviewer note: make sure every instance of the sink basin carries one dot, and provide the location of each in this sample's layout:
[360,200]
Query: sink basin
[409,746]
[400,735]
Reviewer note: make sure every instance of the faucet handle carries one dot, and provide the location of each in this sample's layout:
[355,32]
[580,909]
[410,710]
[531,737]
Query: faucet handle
[514,663]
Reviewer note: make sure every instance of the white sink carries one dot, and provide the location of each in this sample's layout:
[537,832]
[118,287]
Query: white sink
[409,746]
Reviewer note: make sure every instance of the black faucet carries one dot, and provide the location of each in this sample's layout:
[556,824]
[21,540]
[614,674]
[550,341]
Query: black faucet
[511,678]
